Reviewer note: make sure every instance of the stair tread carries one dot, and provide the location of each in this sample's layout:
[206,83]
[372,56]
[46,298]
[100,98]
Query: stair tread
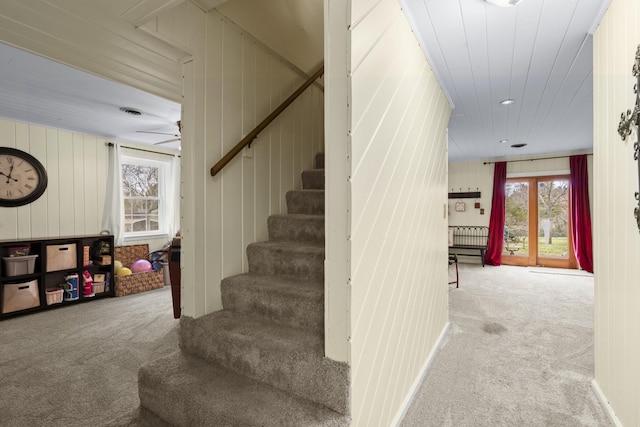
[312,288]
[186,390]
[255,332]
[283,356]
[291,301]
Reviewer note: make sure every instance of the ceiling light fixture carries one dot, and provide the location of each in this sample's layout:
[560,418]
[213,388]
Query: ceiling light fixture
[507,101]
[504,141]
[503,3]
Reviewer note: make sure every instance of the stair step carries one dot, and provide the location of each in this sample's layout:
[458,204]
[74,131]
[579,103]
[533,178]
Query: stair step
[292,302]
[296,228]
[287,358]
[320,160]
[313,179]
[187,391]
[305,202]
[288,259]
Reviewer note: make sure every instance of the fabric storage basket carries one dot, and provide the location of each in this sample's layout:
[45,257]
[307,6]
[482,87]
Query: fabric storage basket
[54,296]
[61,257]
[20,296]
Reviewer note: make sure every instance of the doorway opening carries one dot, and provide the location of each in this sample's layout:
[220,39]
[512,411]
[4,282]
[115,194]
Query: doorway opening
[537,228]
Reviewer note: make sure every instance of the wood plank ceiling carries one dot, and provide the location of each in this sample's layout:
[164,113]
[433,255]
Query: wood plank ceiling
[538,53]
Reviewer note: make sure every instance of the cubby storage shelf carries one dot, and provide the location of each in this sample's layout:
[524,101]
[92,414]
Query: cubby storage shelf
[52,260]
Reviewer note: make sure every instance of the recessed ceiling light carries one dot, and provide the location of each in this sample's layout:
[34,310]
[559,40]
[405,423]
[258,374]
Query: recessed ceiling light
[131,111]
[518,145]
[507,101]
[504,141]
[504,3]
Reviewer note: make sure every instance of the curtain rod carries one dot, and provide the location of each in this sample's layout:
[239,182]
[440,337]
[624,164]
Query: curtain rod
[539,158]
[111,144]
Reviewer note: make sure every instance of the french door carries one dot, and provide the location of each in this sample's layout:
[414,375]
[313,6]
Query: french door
[537,222]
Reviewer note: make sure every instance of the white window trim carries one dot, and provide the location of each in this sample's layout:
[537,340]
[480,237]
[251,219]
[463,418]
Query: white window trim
[164,167]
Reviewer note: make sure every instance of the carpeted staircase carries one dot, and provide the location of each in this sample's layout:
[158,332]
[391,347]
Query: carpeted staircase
[260,361]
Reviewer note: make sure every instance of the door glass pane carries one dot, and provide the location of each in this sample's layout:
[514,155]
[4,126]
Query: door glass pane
[516,221]
[553,219]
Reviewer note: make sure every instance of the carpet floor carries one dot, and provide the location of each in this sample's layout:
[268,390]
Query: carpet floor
[78,365]
[518,352]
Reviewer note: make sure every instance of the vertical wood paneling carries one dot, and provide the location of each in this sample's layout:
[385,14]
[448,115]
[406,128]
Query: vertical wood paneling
[8,217]
[617,322]
[24,212]
[242,83]
[261,148]
[76,167]
[207,109]
[90,191]
[38,209]
[398,188]
[78,181]
[275,85]
[53,187]
[248,163]
[232,174]
[65,177]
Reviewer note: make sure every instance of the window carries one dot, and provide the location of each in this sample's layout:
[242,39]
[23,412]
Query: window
[143,190]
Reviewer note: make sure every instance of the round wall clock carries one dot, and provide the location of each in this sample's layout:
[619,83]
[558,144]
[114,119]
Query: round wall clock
[22,177]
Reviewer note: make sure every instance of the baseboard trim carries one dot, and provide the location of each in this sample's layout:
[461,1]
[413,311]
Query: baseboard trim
[416,384]
[604,402]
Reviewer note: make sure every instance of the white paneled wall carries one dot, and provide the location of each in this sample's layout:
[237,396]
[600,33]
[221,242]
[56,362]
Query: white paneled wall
[76,167]
[616,237]
[231,84]
[399,300]
[73,203]
[470,176]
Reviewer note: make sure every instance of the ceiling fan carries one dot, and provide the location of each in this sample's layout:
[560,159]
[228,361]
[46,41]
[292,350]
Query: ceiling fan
[176,136]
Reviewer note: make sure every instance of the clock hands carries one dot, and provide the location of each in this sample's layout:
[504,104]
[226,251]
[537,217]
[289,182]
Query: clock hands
[9,177]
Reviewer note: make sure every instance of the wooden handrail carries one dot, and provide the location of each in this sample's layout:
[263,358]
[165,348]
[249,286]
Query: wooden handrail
[254,133]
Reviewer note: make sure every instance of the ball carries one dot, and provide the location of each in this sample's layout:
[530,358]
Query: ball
[140,266]
[117,265]
[124,271]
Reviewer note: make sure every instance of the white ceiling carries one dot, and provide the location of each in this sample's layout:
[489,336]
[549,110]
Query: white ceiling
[538,53]
[43,92]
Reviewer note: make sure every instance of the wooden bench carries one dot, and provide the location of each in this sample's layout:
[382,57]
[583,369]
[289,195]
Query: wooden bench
[464,239]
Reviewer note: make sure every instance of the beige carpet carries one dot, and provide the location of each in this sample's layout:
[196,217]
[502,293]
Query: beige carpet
[519,352]
[78,365]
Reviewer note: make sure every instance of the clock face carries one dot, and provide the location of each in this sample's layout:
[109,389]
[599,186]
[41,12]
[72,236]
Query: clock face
[22,177]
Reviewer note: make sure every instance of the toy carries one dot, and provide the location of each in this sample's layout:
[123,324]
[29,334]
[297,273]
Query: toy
[87,289]
[117,265]
[124,271]
[140,266]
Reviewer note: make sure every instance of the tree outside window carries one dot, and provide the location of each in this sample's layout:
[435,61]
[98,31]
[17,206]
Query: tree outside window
[142,203]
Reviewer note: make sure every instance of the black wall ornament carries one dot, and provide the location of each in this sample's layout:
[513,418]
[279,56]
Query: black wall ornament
[629,121]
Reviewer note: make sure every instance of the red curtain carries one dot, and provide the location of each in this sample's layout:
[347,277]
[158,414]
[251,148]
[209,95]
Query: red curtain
[579,211]
[496,222]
